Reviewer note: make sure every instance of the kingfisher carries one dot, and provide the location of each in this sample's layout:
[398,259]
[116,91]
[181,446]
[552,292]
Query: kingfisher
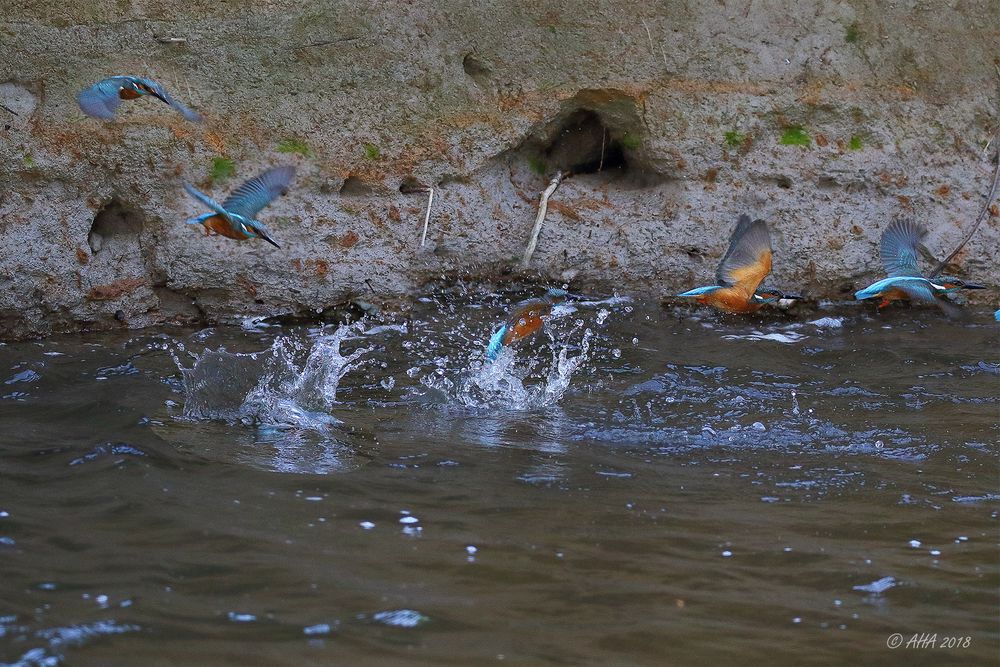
[103,98]
[526,319]
[898,252]
[235,217]
[742,269]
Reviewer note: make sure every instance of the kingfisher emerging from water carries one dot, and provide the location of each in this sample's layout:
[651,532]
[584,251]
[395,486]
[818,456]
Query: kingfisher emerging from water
[898,252]
[103,98]
[234,218]
[526,319]
[743,268]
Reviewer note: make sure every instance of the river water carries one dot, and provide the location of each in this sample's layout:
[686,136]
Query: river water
[640,485]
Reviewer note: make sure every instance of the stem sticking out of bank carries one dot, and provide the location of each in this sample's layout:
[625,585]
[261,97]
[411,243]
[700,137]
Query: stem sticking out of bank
[543,204]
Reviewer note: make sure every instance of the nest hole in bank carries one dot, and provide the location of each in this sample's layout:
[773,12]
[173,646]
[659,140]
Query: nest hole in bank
[597,134]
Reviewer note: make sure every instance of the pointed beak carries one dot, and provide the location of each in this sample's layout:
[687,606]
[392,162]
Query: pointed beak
[974,286]
[267,238]
[797,297]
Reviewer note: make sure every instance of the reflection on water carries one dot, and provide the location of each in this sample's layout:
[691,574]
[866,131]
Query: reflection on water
[636,485]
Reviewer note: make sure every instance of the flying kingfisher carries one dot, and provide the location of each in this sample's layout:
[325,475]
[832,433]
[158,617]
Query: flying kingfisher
[234,219]
[103,98]
[743,268]
[526,319]
[898,252]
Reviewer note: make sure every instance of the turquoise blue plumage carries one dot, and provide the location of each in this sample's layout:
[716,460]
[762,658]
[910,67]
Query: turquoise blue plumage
[103,98]
[236,217]
[898,250]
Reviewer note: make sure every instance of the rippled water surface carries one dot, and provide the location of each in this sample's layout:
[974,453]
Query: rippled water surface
[638,486]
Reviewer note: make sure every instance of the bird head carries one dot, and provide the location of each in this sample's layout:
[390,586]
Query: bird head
[254,228]
[771,295]
[949,284]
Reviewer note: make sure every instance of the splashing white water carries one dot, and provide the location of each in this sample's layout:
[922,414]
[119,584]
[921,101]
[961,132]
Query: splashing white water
[506,384]
[272,388]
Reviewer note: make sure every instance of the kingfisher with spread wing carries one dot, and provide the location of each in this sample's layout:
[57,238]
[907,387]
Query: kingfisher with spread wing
[235,217]
[742,270]
[898,251]
[103,98]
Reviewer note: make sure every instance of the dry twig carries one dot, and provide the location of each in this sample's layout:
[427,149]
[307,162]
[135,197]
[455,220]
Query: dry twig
[543,205]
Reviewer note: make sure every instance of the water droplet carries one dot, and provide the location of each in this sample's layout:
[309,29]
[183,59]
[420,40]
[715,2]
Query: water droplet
[616,353]
[727,554]
[367,525]
[914,543]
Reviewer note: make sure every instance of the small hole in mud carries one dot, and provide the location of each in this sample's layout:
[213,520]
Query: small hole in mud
[476,69]
[113,220]
[355,187]
[411,185]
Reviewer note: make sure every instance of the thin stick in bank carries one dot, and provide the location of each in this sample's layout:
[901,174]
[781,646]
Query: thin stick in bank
[543,205]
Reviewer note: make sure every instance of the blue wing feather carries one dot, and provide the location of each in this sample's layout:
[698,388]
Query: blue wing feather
[898,248]
[496,343]
[207,201]
[248,199]
[917,288]
[698,291]
[101,100]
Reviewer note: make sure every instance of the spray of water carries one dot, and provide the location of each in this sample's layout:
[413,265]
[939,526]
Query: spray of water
[285,386]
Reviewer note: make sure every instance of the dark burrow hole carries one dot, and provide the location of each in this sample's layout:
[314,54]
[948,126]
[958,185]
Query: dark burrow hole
[113,220]
[476,69]
[355,187]
[597,134]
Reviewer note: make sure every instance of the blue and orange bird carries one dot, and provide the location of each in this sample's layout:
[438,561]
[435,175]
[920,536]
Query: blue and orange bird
[103,98]
[898,252]
[742,269]
[526,319]
[235,217]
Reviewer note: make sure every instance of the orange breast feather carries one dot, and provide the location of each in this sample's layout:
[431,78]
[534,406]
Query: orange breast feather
[221,226]
[525,322]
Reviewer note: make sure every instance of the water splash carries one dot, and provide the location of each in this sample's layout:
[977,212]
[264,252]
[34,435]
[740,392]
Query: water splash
[508,383]
[272,388]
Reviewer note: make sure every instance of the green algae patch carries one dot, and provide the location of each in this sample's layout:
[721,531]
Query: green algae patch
[631,142]
[734,138]
[372,152]
[295,145]
[856,143]
[222,169]
[852,34]
[795,136]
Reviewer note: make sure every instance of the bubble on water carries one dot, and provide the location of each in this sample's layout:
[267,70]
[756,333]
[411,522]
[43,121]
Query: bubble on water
[758,426]
[318,629]
[935,552]
[616,353]
[367,525]
[401,618]
[239,617]
[602,315]
[635,341]
[409,520]
[388,383]
[727,553]
[914,543]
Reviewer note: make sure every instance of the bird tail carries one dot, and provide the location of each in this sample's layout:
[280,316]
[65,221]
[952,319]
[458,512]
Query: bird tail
[200,220]
[496,343]
[699,291]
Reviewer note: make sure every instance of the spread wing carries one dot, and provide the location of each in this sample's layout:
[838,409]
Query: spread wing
[898,248]
[248,199]
[748,260]
[161,92]
[206,200]
[101,100]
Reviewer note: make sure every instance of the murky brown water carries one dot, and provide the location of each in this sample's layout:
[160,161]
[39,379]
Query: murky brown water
[669,490]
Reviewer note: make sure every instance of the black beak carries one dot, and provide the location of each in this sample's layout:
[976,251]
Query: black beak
[267,238]
[973,286]
[798,297]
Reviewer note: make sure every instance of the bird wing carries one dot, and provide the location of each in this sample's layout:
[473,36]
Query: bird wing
[496,343]
[101,100]
[898,248]
[248,199]
[748,260]
[207,201]
[166,97]
[699,291]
